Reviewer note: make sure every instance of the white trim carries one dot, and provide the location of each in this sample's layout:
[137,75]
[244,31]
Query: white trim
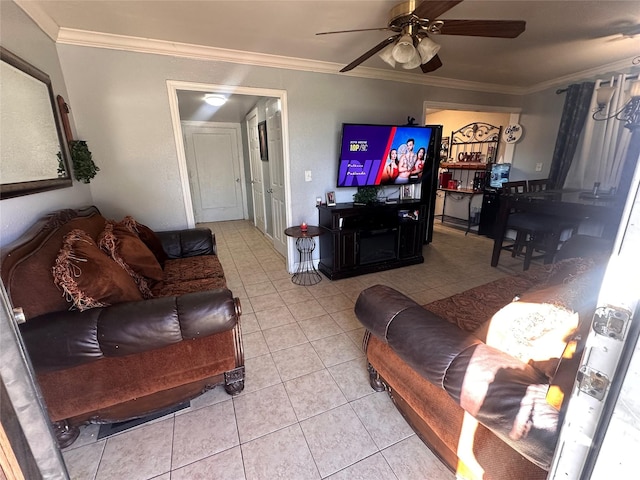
[72,36]
[174,85]
[181,153]
[86,38]
[252,113]
[514,117]
[621,66]
[284,104]
[468,107]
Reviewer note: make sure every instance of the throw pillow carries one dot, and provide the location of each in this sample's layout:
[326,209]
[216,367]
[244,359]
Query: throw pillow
[88,277]
[148,236]
[534,332]
[132,254]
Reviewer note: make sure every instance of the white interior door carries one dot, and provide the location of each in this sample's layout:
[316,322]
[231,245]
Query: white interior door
[276,174]
[213,153]
[257,184]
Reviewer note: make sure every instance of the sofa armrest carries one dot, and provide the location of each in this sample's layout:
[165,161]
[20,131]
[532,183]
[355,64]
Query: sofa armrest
[501,392]
[190,242]
[63,339]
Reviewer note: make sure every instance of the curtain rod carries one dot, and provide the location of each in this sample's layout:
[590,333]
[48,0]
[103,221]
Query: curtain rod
[605,82]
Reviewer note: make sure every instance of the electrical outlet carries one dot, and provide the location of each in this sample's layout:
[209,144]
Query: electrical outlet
[539,167]
[307,175]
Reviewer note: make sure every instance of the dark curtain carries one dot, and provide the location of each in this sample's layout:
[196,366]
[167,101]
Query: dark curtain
[574,115]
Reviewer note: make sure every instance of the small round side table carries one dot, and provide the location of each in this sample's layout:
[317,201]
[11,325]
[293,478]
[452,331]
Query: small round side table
[306,274]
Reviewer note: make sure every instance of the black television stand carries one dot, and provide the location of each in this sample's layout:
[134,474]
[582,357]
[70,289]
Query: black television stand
[361,239]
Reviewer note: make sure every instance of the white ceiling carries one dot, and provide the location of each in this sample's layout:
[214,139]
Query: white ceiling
[192,107]
[561,39]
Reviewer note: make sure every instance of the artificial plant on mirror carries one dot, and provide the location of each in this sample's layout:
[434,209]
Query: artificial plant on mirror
[84,168]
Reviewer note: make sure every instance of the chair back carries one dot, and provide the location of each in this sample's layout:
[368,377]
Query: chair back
[539,185]
[519,186]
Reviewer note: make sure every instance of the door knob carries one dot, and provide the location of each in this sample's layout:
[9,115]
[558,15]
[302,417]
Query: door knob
[237,180]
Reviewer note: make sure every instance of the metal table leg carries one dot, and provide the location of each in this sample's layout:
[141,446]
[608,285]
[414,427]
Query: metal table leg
[306,274]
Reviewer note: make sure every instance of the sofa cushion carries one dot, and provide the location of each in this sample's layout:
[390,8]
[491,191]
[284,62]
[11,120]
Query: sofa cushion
[533,330]
[470,309]
[128,251]
[192,268]
[188,286]
[88,277]
[148,236]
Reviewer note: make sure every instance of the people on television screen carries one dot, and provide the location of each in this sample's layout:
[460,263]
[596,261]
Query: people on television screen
[390,172]
[407,161]
[419,165]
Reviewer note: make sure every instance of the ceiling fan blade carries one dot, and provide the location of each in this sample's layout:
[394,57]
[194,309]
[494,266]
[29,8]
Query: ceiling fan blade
[358,30]
[484,28]
[433,9]
[432,65]
[370,53]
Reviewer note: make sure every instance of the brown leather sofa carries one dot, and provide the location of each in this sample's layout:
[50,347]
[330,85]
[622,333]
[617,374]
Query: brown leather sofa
[132,358]
[482,379]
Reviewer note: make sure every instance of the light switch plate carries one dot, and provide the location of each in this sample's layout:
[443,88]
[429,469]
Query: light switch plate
[307,175]
[538,167]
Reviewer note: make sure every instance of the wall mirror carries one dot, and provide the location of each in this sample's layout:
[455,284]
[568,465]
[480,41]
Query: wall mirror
[33,152]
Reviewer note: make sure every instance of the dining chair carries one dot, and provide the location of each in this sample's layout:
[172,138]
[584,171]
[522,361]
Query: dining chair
[534,232]
[539,185]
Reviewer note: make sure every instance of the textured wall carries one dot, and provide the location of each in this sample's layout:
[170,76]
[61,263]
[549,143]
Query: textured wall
[121,108]
[21,36]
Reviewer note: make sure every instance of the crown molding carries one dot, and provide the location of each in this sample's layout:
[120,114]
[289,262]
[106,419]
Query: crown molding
[87,38]
[42,19]
[622,66]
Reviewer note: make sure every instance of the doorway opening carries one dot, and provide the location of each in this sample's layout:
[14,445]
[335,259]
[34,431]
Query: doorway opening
[465,211]
[217,161]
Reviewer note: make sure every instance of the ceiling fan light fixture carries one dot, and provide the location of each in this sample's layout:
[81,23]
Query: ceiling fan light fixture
[404,50]
[427,49]
[387,55]
[215,99]
[413,63]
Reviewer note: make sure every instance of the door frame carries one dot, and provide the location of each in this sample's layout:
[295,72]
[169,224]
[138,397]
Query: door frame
[172,89]
[254,113]
[514,113]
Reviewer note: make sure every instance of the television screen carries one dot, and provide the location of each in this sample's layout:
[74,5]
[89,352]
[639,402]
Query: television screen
[499,174]
[383,154]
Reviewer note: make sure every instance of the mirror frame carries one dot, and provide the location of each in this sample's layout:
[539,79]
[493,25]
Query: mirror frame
[10,190]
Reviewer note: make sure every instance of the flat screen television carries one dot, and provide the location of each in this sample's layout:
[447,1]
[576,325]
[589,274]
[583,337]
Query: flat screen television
[499,174]
[373,155]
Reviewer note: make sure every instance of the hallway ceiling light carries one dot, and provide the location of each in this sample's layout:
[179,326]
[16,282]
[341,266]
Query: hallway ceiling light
[215,99]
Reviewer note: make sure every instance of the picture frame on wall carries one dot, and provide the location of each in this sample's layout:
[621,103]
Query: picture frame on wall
[262,140]
[331,199]
[407,192]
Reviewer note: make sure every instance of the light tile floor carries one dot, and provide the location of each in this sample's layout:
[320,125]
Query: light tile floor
[307,410]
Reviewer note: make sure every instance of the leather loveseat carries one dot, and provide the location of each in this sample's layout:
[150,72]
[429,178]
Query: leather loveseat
[484,376]
[158,335]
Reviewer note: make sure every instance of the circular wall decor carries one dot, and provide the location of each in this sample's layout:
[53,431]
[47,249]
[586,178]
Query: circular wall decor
[512,133]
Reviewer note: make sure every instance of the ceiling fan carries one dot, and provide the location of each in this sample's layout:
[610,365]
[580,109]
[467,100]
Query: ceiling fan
[410,45]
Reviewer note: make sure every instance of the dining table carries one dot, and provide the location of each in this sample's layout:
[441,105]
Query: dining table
[575,204]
